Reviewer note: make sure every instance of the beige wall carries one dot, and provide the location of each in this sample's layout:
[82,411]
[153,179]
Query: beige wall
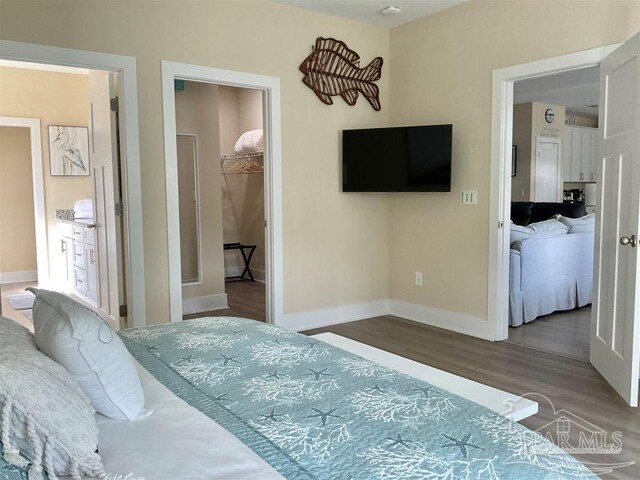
[529,123]
[17,222]
[242,195]
[441,69]
[56,99]
[197,113]
[521,182]
[335,245]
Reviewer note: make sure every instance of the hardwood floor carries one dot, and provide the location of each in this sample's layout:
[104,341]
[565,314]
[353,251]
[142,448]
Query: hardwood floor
[246,299]
[562,333]
[568,384]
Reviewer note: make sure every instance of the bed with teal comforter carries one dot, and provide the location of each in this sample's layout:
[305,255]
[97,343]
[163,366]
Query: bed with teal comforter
[313,411]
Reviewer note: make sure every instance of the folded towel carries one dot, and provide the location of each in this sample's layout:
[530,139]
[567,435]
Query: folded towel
[83,208]
[250,142]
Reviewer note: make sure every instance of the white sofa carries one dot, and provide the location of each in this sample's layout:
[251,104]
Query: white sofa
[548,274]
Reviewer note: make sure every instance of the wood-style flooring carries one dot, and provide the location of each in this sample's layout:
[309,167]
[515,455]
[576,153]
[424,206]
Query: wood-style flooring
[7,311]
[561,333]
[245,299]
[567,384]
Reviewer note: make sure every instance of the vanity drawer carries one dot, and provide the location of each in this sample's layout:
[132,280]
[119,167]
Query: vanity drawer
[77,233]
[79,280]
[90,235]
[79,255]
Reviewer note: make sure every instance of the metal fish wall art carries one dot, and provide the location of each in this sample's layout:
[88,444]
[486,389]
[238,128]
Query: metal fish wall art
[333,69]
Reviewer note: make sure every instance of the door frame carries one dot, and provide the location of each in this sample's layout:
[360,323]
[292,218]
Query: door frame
[500,172]
[39,212]
[271,111]
[131,182]
[557,141]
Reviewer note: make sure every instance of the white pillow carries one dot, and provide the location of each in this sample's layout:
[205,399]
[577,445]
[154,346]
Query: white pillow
[46,420]
[583,228]
[586,224]
[548,228]
[79,340]
[519,232]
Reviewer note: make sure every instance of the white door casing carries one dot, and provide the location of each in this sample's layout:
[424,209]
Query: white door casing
[271,109]
[615,324]
[548,170]
[103,152]
[39,213]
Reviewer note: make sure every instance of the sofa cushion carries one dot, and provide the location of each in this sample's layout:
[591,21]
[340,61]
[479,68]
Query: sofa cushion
[584,224]
[547,228]
[521,212]
[545,210]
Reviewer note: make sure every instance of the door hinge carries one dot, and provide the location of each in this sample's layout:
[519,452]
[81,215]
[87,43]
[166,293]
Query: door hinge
[500,224]
[123,310]
[119,208]
[115,104]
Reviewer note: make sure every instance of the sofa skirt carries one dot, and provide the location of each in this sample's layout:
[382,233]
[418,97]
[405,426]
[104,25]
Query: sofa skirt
[566,294]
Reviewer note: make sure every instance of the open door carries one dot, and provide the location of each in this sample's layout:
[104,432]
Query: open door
[103,151]
[615,325]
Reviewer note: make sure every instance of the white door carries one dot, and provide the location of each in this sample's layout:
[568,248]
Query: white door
[548,171]
[103,150]
[615,324]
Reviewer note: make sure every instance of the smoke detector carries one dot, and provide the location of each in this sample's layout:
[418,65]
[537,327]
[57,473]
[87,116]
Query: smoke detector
[391,11]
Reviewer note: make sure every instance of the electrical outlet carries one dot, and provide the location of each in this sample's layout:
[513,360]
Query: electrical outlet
[419,279]
[469,197]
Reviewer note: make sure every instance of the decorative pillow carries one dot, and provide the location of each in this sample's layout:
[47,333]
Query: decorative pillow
[46,421]
[549,228]
[519,232]
[82,342]
[586,224]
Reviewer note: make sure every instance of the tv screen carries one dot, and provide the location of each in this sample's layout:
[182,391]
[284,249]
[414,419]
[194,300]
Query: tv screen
[397,159]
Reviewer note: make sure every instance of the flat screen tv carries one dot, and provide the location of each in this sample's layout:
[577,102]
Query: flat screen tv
[397,159]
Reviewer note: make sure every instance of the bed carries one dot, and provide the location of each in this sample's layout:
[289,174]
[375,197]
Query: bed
[238,399]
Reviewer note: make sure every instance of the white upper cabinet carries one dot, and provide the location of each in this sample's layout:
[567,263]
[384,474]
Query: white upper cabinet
[580,151]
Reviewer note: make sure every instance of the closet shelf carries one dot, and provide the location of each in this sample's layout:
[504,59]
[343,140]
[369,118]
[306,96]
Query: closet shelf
[242,164]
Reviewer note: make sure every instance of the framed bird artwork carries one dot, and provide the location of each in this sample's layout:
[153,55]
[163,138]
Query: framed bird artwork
[68,150]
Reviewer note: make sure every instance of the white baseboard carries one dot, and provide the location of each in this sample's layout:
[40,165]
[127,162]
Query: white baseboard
[334,315]
[457,322]
[236,271]
[204,304]
[19,277]
[434,317]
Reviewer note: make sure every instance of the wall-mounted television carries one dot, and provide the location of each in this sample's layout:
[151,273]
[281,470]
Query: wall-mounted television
[397,159]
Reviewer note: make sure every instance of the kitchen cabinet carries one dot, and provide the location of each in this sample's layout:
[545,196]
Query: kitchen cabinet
[580,152]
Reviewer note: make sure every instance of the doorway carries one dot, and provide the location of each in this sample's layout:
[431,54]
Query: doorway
[129,309]
[553,206]
[615,326]
[248,181]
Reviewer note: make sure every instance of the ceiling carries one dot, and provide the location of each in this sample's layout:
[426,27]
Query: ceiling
[368,11]
[44,67]
[577,90]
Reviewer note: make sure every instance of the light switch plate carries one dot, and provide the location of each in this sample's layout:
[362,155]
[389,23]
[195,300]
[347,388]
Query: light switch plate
[469,197]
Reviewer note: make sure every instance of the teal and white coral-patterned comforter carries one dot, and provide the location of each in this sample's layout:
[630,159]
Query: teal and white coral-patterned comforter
[314,411]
